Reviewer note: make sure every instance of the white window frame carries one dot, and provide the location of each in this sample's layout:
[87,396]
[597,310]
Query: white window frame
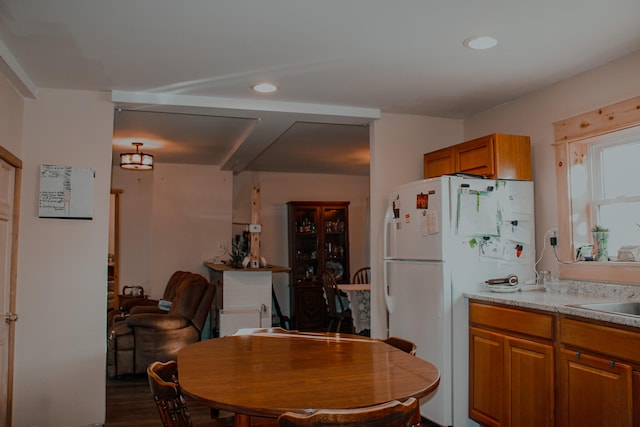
[596,146]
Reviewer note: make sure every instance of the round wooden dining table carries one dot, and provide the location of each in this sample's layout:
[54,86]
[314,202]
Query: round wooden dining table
[267,374]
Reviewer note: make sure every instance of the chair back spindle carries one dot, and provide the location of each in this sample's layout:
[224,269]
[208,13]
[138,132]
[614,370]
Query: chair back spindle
[336,310]
[361,276]
[163,382]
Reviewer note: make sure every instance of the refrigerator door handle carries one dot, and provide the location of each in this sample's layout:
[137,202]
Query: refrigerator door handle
[388,299]
[388,221]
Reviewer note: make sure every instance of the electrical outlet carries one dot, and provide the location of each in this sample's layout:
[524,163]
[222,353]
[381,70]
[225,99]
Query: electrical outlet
[553,237]
[222,247]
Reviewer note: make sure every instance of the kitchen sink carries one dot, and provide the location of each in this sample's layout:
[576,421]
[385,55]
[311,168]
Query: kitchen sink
[627,308]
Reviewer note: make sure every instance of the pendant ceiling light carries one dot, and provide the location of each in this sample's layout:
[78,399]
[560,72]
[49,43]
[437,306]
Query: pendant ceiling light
[136,161]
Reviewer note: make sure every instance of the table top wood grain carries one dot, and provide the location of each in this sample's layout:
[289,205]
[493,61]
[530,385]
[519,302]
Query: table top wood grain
[266,374]
[355,286]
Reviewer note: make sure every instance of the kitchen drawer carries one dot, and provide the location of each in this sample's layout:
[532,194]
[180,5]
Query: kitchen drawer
[620,343]
[514,320]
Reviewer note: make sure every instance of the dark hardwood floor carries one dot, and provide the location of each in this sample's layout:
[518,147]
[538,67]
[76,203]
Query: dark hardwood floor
[129,404]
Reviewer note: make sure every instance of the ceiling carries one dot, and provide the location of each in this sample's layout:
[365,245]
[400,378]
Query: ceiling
[180,73]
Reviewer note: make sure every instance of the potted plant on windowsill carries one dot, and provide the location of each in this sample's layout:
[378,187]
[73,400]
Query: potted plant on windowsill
[600,239]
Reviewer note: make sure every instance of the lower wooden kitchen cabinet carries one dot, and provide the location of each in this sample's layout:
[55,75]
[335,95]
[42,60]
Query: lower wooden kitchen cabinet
[596,391]
[598,375]
[511,371]
[531,368]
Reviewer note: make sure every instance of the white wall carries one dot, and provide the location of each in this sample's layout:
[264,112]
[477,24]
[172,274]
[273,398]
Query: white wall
[11,117]
[61,295]
[192,207]
[398,143]
[276,189]
[136,201]
[534,115]
[171,218]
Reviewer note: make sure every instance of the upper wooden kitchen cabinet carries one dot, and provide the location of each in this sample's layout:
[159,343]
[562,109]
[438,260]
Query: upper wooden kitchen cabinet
[496,156]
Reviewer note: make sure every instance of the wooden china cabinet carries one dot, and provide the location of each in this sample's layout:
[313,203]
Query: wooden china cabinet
[318,240]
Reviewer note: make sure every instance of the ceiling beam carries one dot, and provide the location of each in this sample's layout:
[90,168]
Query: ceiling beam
[237,107]
[271,119]
[16,75]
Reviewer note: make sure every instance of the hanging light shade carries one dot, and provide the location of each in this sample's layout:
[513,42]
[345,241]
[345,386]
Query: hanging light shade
[136,161]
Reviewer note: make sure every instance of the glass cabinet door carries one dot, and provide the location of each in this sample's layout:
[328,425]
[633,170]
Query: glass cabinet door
[305,244]
[336,243]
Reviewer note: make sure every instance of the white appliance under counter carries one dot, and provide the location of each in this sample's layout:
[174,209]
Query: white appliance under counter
[243,297]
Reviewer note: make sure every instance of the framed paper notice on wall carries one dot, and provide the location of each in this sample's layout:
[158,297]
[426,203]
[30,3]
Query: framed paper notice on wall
[66,192]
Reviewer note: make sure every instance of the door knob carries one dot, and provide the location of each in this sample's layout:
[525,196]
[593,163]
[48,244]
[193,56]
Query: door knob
[10,317]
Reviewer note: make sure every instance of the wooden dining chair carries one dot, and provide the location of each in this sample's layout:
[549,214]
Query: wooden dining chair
[283,321]
[390,414]
[402,344]
[362,275]
[172,407]
[337,313]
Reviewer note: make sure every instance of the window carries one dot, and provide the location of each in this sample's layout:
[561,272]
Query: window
[597,156]
[615,193]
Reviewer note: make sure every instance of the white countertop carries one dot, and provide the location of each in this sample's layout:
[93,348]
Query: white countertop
[564,302]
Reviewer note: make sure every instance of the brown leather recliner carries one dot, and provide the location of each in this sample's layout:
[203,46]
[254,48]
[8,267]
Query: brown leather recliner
[145,305]
[145,337]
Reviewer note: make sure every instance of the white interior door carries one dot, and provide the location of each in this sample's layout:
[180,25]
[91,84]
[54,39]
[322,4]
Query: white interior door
[7,180]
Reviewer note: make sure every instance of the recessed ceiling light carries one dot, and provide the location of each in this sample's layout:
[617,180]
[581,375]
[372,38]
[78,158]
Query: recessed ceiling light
[265,88]
[480,43]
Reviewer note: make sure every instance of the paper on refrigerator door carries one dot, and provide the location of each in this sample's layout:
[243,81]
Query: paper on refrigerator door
[505,250]
[429,223]
[516,230]
[477,213]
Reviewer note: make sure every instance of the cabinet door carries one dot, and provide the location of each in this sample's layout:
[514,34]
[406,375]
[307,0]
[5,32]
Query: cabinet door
[636,398]
[310,307]
[304,245]
[335,241]
[596,391]
[476,156]
[530,384]
[440,162]
[487,395]
[512,157]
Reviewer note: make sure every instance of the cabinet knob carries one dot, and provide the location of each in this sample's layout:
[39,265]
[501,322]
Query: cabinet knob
[577,355]
[612,363]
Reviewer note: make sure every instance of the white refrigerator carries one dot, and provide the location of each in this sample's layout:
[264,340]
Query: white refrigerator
[445,236]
